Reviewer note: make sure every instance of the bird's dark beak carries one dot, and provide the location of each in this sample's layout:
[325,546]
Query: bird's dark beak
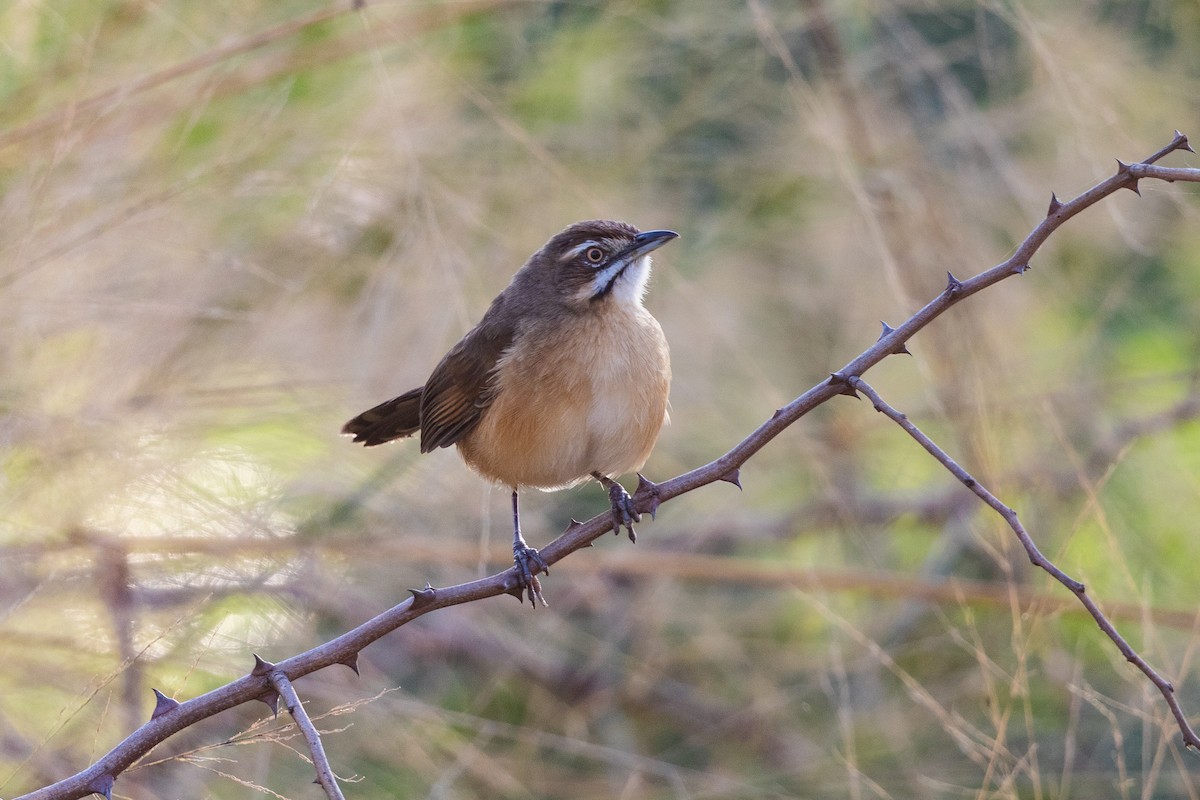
[646,242]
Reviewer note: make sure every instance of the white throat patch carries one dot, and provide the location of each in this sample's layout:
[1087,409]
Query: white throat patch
[628,280]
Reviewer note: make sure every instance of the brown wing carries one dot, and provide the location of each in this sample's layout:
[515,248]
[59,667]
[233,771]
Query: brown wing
[395,419]
[460,388]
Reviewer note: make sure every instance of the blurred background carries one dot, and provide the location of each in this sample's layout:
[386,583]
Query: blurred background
[228,227]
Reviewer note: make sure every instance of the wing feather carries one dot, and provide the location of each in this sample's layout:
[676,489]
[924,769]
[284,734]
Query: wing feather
[461,387]
[395,419]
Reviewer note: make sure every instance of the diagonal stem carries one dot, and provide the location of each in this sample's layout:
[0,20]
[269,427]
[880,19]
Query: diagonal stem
[1190,738]
[291,700]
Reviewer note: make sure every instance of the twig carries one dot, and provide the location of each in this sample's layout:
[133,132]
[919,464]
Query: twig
[344,649]
[1190,738]
[291,701]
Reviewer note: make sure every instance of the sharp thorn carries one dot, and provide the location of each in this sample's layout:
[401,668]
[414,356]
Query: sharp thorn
[271,698]
[103,785]
[351,661]
[1123,169]
[261,668]
[516,591]
[1055,205]
[898,349]
[650,489]
[838,378]
[734,476]
[572,525]
[953,284]
[1019,269]
[1181,142]
[162,704]
[423,597]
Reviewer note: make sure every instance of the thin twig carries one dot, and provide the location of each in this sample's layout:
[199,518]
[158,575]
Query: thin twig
[291,701]
[344,649]
[1190,738]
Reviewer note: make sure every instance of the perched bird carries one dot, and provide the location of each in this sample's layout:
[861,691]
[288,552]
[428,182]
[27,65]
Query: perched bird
[565,377]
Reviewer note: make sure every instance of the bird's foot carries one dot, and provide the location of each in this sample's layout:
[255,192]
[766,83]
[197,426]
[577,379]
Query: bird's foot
[529,563]
[624,514]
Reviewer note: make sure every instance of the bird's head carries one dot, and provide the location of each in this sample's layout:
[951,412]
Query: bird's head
[600,261]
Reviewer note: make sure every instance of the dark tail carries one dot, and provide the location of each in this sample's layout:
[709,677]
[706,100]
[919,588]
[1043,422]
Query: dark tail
[394,419]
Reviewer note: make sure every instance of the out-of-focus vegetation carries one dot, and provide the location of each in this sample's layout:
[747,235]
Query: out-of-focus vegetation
[227,227]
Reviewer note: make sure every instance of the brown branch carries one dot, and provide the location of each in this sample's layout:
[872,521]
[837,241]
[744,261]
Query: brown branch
[1035,556]
[344,649]
[291,701]
[1168,174]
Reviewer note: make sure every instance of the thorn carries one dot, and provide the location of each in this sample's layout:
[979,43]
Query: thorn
[650,488]
[261,668]
[899,349]
[848,390]
[953,284]
[271,698]
[516,591]
[1123,169]
[572,525]
[1181,142]
[351,661]
[423,597]
[103,784]
[1055,205]
[162,704]
[1019,269]
[734,476]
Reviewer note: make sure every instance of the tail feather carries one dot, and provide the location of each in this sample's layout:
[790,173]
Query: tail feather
[396,419]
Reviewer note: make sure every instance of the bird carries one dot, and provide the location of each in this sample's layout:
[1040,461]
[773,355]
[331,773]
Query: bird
[565,378]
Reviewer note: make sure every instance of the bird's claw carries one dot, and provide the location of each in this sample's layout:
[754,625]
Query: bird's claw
[529,563]
[624,514]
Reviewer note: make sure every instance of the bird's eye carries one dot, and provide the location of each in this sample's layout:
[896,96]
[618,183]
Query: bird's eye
[594,255]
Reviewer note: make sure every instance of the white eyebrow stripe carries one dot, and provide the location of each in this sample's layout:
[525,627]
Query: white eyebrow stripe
[574,251]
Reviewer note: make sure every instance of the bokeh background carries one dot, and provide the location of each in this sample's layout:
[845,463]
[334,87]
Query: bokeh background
[227,227]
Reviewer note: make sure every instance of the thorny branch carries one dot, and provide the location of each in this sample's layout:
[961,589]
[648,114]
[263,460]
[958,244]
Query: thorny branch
[1035,556]
[283,687]
[344,649]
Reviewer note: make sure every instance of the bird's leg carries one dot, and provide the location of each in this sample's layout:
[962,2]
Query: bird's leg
[529,562]
[623,512]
